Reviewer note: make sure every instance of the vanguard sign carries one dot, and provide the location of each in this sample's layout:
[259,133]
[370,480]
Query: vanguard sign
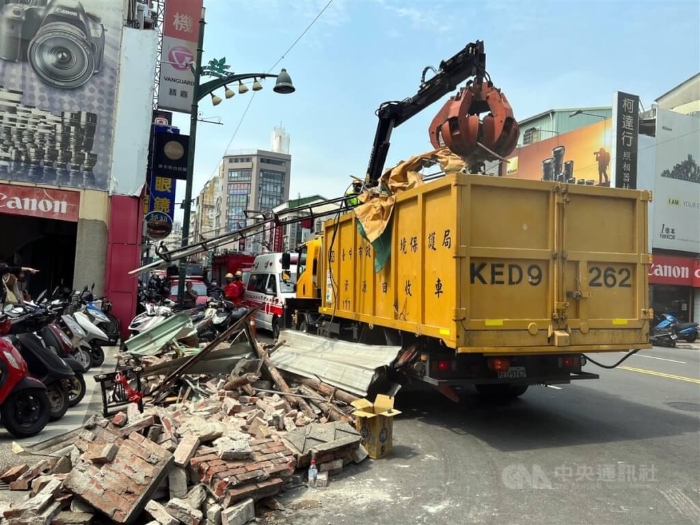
[180,36]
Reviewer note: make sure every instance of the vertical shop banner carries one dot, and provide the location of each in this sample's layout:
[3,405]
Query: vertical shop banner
[58,82]
[161,195]
[625,140]
[180,36]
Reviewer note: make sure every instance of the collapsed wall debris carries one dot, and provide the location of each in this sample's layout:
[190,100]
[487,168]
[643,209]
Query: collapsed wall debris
[185,446]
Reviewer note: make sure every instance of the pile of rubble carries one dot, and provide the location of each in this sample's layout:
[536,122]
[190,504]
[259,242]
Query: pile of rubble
[203,463]
[203,458]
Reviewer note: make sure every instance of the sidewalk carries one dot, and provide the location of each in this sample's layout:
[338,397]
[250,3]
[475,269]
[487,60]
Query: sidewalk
[688,346]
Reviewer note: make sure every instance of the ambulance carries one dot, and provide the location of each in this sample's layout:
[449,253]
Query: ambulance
[271,287]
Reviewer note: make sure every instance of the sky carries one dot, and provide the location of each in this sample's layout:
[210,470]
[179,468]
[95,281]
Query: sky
[543,54]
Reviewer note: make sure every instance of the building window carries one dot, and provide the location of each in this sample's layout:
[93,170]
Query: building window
[275,162]
[240,175]
[238,189]
[271,189]
[531,136]
[238,160]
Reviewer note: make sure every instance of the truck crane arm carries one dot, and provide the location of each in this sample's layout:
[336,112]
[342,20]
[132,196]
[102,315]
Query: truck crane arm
[457,125]
[469,62]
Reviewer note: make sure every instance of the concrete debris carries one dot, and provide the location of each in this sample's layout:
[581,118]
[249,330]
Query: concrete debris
[205,450]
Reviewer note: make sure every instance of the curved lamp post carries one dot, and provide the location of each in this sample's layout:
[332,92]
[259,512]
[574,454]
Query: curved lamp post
[283,85]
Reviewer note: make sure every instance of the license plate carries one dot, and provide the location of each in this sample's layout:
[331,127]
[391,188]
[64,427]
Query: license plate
[513,372]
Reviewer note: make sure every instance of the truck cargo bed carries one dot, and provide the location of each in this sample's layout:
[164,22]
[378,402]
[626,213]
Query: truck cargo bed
[500,266]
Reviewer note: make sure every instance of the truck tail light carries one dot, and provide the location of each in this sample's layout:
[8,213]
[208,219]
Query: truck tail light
[498,364]
[569,362]
[444,366]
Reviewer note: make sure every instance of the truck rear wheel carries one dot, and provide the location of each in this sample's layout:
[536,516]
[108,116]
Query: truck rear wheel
[501,392]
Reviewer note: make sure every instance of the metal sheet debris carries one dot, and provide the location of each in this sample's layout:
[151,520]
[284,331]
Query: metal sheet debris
[352,367]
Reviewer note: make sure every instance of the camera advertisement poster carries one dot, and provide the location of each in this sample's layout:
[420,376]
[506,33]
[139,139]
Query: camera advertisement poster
[677,185]
[581,156]
[58,83]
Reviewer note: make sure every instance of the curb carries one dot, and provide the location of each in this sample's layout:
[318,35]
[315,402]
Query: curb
[688,346]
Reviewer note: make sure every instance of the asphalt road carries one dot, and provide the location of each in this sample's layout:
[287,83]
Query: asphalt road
[621,449]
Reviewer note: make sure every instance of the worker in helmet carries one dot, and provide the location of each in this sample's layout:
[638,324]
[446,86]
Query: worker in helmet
[235,289]
[351,199]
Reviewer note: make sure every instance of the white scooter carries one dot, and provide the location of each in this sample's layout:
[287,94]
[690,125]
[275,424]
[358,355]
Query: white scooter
[94,336]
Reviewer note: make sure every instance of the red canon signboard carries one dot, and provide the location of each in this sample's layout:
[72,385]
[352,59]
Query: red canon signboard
[39,202]
[679,271]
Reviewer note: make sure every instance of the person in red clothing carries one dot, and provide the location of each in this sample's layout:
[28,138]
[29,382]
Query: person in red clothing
[235,289]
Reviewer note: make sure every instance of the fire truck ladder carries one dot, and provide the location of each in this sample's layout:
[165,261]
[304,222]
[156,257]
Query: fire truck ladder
[267,220]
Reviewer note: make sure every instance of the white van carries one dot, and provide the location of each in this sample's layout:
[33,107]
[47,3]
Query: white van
[267,287]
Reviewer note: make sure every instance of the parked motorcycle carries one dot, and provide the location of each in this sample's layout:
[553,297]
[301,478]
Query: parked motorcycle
[55,339]
[43,364]
[685,331]
[218,317]
[663,337]
[24,405]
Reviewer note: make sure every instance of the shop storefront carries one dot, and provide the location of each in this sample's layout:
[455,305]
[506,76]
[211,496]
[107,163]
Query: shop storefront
[674,286]
[40,228]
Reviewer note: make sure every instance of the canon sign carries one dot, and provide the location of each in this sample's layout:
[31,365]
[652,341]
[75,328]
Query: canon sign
[679,271]
[39,202]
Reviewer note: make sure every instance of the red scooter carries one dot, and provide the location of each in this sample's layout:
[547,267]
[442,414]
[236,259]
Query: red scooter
[24,404]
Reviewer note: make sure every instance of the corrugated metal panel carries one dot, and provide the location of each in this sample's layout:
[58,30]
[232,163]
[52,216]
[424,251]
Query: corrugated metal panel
[152,340]
[349,366]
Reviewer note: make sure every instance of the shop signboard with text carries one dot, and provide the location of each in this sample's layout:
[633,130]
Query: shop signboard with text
[58,81]
[581,157]
[180,36]
[45,203]
[625,139]
[675,271]
[676,218]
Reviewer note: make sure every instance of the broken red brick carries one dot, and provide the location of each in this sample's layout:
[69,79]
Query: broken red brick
[101,453]
[12,473]
[139,425]
[120,419]
[185,450]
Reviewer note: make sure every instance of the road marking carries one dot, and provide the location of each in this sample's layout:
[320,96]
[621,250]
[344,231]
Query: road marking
[554,387]
[660,358]
[682,503]
[660,374]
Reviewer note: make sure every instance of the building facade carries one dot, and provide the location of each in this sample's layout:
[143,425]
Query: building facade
[73,151]
[668,150]
[254,181]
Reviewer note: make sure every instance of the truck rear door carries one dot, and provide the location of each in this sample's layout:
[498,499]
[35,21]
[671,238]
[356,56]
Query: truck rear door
[601,272]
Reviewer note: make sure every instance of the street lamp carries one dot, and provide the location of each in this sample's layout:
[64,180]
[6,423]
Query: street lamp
[283,85]
[581,112]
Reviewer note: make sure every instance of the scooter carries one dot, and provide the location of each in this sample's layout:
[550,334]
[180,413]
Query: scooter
[24,404]
[663,337]
[686,331]
[55,339]
[219,316]
[47,367]
[94,335]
